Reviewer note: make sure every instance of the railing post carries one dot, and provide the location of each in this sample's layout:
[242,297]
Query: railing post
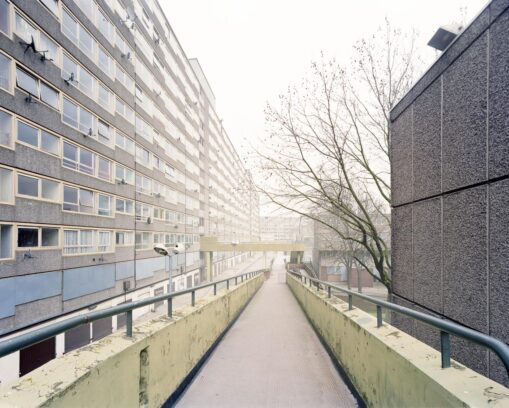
[227,284]
[350,302]
[235,281]
[379,321]
[192,298]
[215,289]
[129,323]
[445,348]
[317,287]
[310,282]
[328,291]
[170,307]
[242,278]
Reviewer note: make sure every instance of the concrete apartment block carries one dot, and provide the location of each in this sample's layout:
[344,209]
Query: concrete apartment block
[450,171]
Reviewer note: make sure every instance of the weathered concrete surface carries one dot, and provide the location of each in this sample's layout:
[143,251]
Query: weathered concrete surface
[144,370]
[390,368]
[271,357]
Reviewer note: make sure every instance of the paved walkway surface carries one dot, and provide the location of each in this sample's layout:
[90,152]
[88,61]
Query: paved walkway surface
[271,357]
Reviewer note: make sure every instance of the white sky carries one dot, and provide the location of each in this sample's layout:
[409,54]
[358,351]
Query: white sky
[251,50]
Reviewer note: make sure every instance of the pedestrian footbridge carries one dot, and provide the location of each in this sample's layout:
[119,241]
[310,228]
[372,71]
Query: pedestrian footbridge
[259,340]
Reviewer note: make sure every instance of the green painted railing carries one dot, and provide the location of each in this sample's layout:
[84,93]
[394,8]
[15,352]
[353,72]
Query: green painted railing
[446,327]
[27,339]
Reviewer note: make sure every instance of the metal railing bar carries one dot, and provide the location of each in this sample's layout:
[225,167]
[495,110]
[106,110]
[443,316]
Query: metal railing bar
[36,336]
[500,348]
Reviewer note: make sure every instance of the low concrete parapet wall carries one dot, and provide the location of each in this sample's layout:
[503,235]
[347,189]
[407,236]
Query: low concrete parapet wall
[388,367]
[140,371]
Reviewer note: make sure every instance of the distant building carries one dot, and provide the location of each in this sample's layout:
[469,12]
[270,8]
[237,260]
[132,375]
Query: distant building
[278,228]
[450,191]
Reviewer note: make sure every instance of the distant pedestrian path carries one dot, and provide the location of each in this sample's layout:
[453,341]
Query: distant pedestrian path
[271,357]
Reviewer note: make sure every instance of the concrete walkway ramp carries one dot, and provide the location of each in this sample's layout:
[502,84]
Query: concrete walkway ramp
[271,357]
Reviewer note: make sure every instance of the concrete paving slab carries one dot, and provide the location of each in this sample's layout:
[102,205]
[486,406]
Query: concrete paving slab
[271,357]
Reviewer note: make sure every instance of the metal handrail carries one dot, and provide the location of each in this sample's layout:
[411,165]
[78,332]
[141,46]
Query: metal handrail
[500,348]
[35,336]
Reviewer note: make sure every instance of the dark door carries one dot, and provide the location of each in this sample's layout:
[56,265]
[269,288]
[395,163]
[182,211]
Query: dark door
[101,328]
[36,355]
[77,337]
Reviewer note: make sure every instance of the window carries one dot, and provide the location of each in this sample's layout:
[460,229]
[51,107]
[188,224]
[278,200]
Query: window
[124,142]
[124,238]
[78,241]
[143,184]
[125,206]
[143,211]
[28,237]
[5,18]
[52,6]
[84,161]
[142,156]
[104,205]
[143,240]
[105,62]
[43,44]
[70,114]
[104,97]
[27,82]
[77,117]
[143,129]
[104,169]
[49,95]
[78,200]
[5,128]
[105,27]
[38,188]
[28,134]
[5,186]
[104,241]
[49,237]
[103,132]
[49,143]
[86,42]
[123,175]
[38,138]
[5,70]
[5,229]
[125,110]
[48,47]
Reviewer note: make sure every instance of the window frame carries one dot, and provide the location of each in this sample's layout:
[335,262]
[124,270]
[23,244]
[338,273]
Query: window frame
[39,229]
[39,179]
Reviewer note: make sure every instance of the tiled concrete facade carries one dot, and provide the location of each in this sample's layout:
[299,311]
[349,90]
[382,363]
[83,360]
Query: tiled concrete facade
[450,198]
[108,83]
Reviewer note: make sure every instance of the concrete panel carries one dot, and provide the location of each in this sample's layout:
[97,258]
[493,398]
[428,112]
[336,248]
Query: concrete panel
[427,143]
[124,270]
[401,158]
[32,312]
[465,265]
[387,367]
[146,267]
[82,281]
[464,118]
[499,259]
[38,286]
[498,120]
[402,265]
[7,297]
[427,253]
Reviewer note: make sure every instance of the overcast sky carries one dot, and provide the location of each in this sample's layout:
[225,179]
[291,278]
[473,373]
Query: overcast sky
[251,50]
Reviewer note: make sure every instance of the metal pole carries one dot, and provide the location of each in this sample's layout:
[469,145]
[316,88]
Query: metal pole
[192,298]
[227,284]
[328,291]
[350,301]
[215,289]
[445,349]
[379,321]
[170,307]
[129,323]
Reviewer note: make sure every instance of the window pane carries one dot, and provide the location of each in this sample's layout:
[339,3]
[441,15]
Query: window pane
[103,130]
[5,185]
[104,169]
[104,205]
[49,142]
[69,69]
[86,42]
[69,27]
[28,237]
[49,237]
[49,189]
[49,46]
[86,83]
[27,82]
[5,69]
[28,186]
[104,97]
[86,201]
[120,205]
[5,236]
[70,113]
[49,95]
[86,162]
[52,5]
[86,121]
[28,134]
[70,156]
[4,16]
[71,199]
[5,128]
[70,241]
[25,31]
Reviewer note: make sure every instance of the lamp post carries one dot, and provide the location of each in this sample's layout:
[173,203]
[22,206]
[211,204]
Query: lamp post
[161,250]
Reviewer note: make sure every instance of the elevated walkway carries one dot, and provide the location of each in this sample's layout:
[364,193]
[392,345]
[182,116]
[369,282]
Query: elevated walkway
[270,357]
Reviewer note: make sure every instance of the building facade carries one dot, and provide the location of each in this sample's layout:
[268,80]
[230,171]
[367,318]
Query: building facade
[109,144]
[450,190]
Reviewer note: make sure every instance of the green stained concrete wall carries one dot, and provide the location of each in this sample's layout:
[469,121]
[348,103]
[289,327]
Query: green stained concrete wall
[388,367]
[144,370]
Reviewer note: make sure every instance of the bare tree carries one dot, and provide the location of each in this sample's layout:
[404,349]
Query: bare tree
[327,153]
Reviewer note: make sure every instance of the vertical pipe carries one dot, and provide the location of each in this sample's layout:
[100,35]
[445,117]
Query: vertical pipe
[227,284]
[192,298]
[235,281]
[379,321]
[350,302]
[215,289]
[129,323]
[170,307]
[445,348]
[328,291]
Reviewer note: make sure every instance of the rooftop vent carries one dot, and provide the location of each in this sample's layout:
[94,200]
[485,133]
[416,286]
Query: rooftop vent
[444,36]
